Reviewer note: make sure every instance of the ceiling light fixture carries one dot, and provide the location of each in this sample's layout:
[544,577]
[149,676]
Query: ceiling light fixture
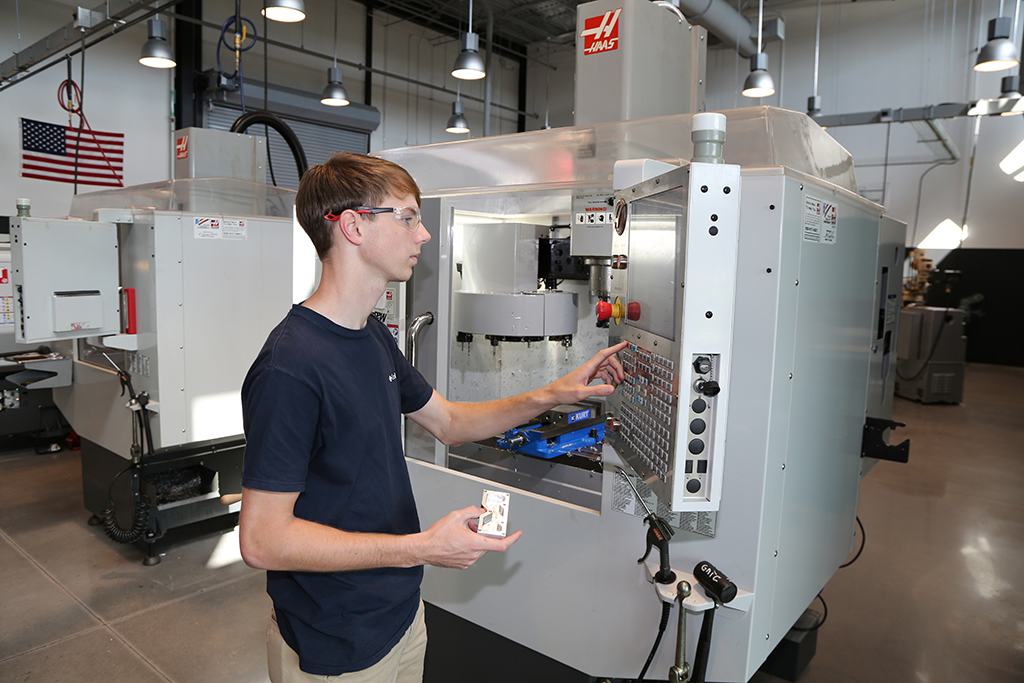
[999,52]
[759,82]
[285,11]
[946,235]
[457,122]
[469,65]
[334,94]
[156,52]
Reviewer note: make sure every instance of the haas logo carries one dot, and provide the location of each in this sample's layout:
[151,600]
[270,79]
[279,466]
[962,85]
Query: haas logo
[182,147]
[601,34]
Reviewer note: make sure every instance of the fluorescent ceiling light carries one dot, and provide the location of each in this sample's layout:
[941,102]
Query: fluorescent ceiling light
[946,235]
[1014,161]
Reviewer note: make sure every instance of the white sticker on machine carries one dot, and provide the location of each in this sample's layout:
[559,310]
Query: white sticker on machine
[216,228]
[234,229]
[820,221]
[207,228]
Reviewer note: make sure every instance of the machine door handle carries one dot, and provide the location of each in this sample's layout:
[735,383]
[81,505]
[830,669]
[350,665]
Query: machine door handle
[418,323]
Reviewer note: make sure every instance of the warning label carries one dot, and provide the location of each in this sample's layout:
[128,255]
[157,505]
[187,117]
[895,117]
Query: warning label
[595,217]
[624,500]
[6,310]
[820,221]
[601,33]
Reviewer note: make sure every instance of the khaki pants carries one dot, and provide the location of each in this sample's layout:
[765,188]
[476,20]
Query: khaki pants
[404,664]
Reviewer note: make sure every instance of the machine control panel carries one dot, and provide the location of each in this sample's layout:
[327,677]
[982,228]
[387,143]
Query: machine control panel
[674,306]
[663,422]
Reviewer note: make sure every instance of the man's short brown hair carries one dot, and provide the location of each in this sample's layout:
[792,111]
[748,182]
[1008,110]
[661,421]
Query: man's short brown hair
[346,181]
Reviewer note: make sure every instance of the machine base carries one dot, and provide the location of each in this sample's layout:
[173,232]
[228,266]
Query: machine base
[796,649]
[184,509]
[459,650]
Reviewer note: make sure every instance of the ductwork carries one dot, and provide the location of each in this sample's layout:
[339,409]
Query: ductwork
[722,19]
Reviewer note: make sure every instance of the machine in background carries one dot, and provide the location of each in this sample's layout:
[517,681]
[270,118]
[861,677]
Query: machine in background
[760,298]
[160,297]
[932,354]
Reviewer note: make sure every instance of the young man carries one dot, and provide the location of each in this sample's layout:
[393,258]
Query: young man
[328,508]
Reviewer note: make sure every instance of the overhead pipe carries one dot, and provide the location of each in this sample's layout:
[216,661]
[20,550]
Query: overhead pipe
[722,19]
[487,67]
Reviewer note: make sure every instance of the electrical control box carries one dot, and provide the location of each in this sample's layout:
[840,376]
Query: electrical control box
[65,277]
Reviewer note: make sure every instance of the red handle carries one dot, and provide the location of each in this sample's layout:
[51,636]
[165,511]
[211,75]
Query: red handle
[130,303]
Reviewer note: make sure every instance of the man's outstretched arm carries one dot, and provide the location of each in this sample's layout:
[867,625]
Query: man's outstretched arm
[455,423]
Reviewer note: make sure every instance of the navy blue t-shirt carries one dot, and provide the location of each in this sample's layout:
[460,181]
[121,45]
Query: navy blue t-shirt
[322,408]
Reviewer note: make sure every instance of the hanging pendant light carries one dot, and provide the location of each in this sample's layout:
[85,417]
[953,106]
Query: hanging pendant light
[469,65]
[457,122]
[999,52]
[759,82]
[334,94]
[285,11]
[156,52]
[1011,91]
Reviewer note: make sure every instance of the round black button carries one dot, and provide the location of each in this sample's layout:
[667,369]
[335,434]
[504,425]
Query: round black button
[696,446]
[693,485]
[699,406]
[698,426]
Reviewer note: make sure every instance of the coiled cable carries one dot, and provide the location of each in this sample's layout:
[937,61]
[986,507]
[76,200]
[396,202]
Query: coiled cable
[140,513]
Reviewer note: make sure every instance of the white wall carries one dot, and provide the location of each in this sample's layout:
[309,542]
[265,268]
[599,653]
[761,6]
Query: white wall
[873,55]
[124,96]
[121,96]
[876,55]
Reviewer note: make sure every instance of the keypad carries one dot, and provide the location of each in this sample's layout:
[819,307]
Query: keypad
[648,405]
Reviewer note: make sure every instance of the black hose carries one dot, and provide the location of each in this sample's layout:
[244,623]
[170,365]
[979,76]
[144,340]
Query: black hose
[257,117]
[665,607]
[700,663]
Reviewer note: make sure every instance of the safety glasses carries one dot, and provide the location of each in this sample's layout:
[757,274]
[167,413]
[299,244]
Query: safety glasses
[408,216]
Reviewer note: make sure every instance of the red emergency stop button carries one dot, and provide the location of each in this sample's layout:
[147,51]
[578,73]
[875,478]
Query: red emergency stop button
[615,311]
[633,311]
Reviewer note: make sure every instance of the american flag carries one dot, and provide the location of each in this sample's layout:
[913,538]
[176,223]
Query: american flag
[48,153]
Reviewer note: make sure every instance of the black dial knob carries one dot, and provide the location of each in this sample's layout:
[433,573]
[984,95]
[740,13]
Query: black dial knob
[693,485]
[708,387]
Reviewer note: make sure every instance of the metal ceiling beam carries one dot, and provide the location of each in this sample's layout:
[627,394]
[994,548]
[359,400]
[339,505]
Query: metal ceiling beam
[447,24]
[84,24]
[937,111]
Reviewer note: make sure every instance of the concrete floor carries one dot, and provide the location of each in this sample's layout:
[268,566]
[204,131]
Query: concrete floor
[937,595]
